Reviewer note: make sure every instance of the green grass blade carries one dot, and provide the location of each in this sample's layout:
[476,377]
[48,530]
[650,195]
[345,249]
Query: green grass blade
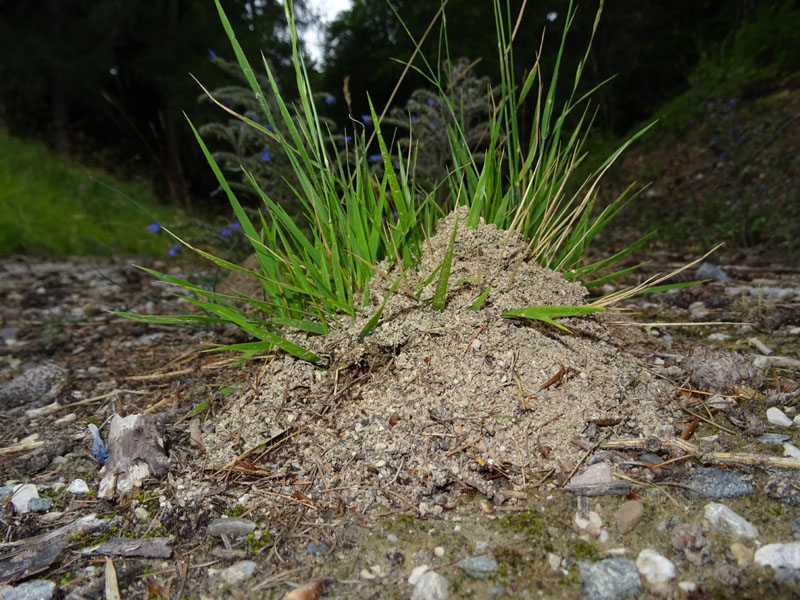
[440,295]
[548,313]
[372,324]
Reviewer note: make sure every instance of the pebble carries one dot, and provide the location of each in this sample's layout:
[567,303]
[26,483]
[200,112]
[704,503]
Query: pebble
[796,527]
[416,573]
[628,516]
[554,560]
[597,480]
[610,579]
[741,554]
[711,271]
[698,311]
[779,556]
[392,538]
[141,513]
[317,549]
[431,586]
[41,589]
[589,522]
[22,495]
[78,487]
[773,438]
[234,526]
[237,573]
[791,451]
[654,567]
[497,590]
[709,482]
[438,552]
[777,417]
[40,504]
[479,567]
[723,518]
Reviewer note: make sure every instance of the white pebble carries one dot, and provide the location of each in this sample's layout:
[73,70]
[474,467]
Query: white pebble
[22,494]
[654,567]
[779,556]
[416,573]
[431,586]
[438,552]
[722,517]
[791,451]
[777,417]
[78,487]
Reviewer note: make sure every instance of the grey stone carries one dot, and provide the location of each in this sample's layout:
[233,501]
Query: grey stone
[707,482]
[233,526]
[796,527]
[431,586]
[479,567]
[238,572]
[713,272]
[41,589]
[315,549]
[610,579]
[717,370]
[774,438]
[40,504]
[155,547]
[35,387]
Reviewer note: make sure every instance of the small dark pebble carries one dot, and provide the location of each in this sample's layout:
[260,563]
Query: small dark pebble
[315,549]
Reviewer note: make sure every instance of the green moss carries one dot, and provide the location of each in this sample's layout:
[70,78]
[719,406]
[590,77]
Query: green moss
[527,523]
[585,550]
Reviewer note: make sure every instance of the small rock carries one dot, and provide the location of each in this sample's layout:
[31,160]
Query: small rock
[438,552]
[698,311]
[687,586]
[41,589]
[779,556]
[689,539]
[392,538]
[719,337]
[497,590]
[36,387]
[78,487]
[238,572]
[773,438]
[777,417]
[791,451]
[796,527]
[233,526]
[417,573]
[141,513]
[39,504]
[718,370]
[431,586]
[554,560]
[729,576]
[22,495]
[628,516]
[479,567]
[610,579]
[317,549]
[597,480]
[741,554]
[717,483]
[713,272]
[655,568]
[589,522]
[722,517]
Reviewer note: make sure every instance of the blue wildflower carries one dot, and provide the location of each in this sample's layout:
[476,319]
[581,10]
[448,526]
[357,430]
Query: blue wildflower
[265,155]
[211,54]
[433,124]
[755,130]
[739,141]
[430,102]
[414,118]
[98,447]
[713,141]
[374,157]
[153,227]
[235,226]
[225,232]
[269,127]
[366,118]
[734,102]
[329,99]
[174,250]
[347,138]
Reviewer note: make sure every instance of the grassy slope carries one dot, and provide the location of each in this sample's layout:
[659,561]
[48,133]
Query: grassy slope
[50,206]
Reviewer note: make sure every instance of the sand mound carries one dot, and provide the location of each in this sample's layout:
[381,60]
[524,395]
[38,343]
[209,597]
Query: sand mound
[434,403]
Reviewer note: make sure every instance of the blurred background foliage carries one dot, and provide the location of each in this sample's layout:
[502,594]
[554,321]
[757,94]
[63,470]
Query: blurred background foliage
[106,81]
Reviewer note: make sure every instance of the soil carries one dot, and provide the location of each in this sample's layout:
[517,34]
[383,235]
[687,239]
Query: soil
[445,434]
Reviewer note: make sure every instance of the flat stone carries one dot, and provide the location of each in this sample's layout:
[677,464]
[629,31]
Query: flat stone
[36,387]
[779,556]
[78,487]
[774,438]
[711,271]
[40,504]
[708,482]
[41,589]
[479,567]
[628,516]
[610,579]
[238,572]
[155,547]
[654,567]
[723,518]
[233,526]
[431,586]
